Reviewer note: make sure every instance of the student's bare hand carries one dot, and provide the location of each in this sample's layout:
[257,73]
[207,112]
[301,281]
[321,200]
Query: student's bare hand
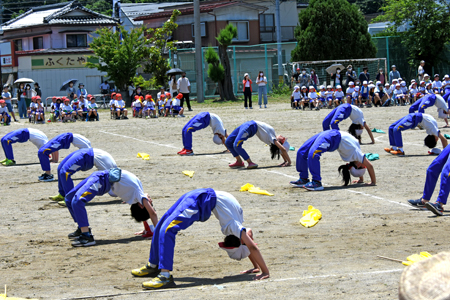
[371,184]
[254,270]
[140,232]
[261,276]
[357,181]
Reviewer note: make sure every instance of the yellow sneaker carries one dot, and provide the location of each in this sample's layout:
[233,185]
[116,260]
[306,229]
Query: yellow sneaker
[58,198]
[159,282]
[146,271]
[62,203]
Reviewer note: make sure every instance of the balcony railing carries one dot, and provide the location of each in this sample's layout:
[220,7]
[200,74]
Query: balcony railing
[270,35]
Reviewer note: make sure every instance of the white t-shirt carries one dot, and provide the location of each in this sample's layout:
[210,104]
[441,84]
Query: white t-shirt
[349,148]
[398,92]
[37,137]
[413,91]
[216,124]
[437,85]
[229,213]
[149,103]
[430,124]
[329,94]
[119,103]
[357,115]
[338,94]
[440,103]
[66,108]
[129,188]
[33,105]
[266,133]
[261,81]
[92,105]
[312,95]
[297,95]
[350,90]
[103,160]
[80,141]
[175,101]
[183,84]
[111,102]
[3,110]
[137,103]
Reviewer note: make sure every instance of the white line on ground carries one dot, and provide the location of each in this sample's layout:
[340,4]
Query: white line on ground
[274,172]
[129,137]
[240,283]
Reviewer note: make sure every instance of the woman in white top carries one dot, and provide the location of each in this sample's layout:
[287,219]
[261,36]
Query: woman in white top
[261,81]
[173,85]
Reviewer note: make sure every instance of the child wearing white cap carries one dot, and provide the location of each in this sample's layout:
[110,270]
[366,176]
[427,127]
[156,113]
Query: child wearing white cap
[197,206]
[296,98]
[437,85]
[338,96]
[405,91]
[349,92]
[329,95]
[305,99]
[355,96]
[313,101]
[413,92]
[399,95]
[322,96]
[428,88]
[446,83]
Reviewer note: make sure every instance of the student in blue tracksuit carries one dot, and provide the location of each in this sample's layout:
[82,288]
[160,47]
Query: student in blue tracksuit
[266,133]
[197,206]
[343,112]
[308,157]
[411,121]
[80,160]
[430,100]
[440,165]
[201,121]
[37,137]
[61,141]
[123,184]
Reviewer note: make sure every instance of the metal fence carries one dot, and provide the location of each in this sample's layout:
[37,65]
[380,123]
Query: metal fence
[396,53]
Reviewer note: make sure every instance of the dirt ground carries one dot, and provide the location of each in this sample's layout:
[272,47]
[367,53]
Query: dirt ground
[336,259]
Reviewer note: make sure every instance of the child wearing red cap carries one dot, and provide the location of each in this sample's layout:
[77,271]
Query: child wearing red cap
[111,103]
[92,108]
[67,111]
[161,105]
[4,116]
[149,107]
[138,105]
[176,107]
[136,98]
[120,107]
[32,108]
[168,104]
[39,110]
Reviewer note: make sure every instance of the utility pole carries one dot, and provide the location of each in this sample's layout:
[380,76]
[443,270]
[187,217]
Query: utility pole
[198,51]
[278,31]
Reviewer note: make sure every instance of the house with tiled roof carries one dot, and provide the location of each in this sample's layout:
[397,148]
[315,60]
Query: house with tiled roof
[50,43]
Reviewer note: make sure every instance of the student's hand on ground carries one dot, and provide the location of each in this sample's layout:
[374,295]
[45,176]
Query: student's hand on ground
[140,232]
[357,181]
[371,184]
[261,276]
[254,270]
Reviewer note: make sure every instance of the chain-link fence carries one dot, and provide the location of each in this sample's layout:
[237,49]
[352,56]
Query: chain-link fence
[243,59]
[263,57]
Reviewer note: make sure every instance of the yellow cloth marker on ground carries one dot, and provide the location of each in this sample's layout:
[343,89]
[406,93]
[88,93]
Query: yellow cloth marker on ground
[310,217]
[144,156]
[189,173]
[416,257]
[254,190]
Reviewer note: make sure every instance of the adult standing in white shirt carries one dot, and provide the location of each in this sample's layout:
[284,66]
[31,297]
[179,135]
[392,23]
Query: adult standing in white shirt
[104,88]
[421,70]
[261,81]
[184,87]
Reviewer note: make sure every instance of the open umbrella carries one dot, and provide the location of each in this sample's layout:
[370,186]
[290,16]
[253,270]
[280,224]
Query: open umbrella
[24,80]
[332,69]
[65,85]
[174,71]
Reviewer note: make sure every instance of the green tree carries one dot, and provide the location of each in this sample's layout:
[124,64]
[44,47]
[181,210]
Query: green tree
[118,57]
[158,65]
[215,69]
[422,26]
[225,38]
[332,29]
[369,6]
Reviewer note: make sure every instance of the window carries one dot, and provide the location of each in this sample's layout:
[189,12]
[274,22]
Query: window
[202,28]
[18,45]
[76,40]
[267,23]
[242,29]
[38,43]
